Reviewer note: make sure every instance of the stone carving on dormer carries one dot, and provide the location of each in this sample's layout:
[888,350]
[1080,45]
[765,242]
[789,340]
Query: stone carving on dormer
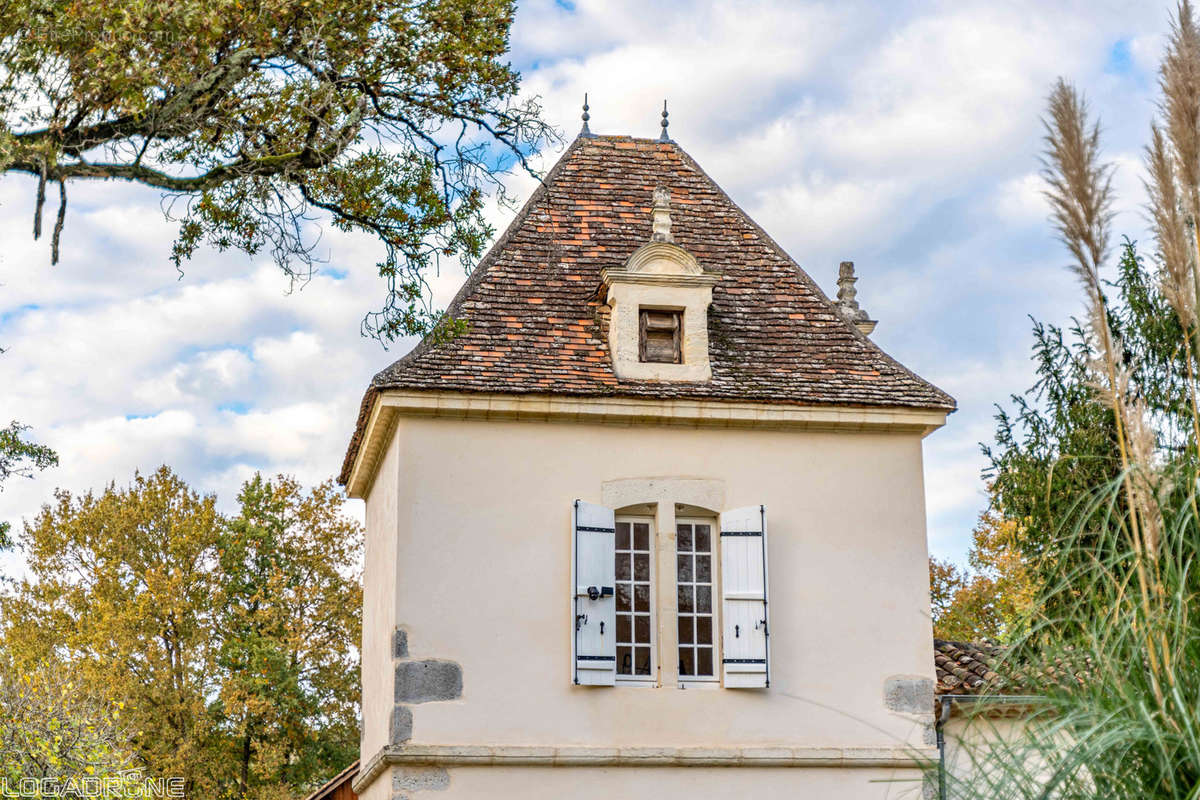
[660,215]
[660,291]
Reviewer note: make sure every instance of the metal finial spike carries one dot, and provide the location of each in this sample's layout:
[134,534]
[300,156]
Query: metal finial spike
[585,131]
[664,137]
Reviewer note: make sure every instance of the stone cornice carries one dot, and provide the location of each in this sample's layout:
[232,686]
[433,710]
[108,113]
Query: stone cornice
[578,756]
[611,276]
[394,403]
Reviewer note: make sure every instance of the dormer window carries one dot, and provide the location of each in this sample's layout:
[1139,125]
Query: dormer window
[660,336]
[658,328]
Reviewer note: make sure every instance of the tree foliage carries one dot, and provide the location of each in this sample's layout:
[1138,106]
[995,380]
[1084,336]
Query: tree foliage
[1106,471]
[232,641]
[288,623]
[1058,443]
[393,117]
[54,731]
[18,456]
[994,599]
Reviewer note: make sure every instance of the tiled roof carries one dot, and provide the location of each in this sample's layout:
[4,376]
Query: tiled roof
[965,668]
[538,322]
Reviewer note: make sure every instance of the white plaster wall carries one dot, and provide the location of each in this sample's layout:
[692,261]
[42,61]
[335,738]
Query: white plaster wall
[969,738]
[480,575]
[380,581]
[381,789]
[769,783]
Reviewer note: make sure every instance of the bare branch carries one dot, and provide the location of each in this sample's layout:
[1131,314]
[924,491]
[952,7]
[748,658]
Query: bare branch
[58,221]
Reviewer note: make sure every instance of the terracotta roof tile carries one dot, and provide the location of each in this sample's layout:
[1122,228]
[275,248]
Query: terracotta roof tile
[966,668]
[774,336]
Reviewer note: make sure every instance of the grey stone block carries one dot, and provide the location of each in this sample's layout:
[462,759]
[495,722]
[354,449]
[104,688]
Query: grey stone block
[408,780]
[423,681]
[401,728]
[910,694]
[928,731]
[400,644]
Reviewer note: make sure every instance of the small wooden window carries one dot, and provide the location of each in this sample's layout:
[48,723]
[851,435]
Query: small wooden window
[660,335]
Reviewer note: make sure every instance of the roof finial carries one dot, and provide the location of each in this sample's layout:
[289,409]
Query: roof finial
[847,303]
[585,131]
[664,137]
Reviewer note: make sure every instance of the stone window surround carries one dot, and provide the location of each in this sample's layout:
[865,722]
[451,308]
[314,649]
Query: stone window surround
[659,275]
[665,497]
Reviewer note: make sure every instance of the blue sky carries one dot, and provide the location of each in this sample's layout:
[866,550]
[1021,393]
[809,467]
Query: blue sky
[903,136]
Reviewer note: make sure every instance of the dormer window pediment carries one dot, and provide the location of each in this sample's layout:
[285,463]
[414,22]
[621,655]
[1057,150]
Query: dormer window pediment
[658,329]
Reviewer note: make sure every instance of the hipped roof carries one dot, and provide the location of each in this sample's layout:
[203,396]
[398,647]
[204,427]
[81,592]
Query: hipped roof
[537,319]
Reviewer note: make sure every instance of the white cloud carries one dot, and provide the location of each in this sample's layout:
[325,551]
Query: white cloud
[901,135]
[1020,200]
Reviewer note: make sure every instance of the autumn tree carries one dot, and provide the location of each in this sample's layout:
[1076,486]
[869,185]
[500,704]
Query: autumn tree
[994,599]
[287,619]
[220,635]
[392,118]
[121,592]
[57,733]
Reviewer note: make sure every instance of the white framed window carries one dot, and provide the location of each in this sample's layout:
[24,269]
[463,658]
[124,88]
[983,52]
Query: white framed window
[722,624]
[696,588]
[633,556]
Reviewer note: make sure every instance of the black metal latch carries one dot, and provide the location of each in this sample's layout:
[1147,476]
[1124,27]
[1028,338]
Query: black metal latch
[596,592]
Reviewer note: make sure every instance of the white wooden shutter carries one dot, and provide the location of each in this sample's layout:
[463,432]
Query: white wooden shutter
[745,644]
[594,604]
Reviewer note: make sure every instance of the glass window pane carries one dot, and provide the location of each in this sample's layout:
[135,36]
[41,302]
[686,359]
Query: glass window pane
[685,629]
[624,660]
[683,538]
[633,570]
[623,596]
[641,627]
[704,661]
[704,599]
[704,569]
[704,630]
[685,599]
[641,597]
[683,564]
[623,628]
[687,661]
[703,539]
[642,660]
[641,536]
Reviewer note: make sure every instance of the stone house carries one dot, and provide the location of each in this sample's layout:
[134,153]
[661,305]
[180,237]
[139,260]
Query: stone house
[654,524]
